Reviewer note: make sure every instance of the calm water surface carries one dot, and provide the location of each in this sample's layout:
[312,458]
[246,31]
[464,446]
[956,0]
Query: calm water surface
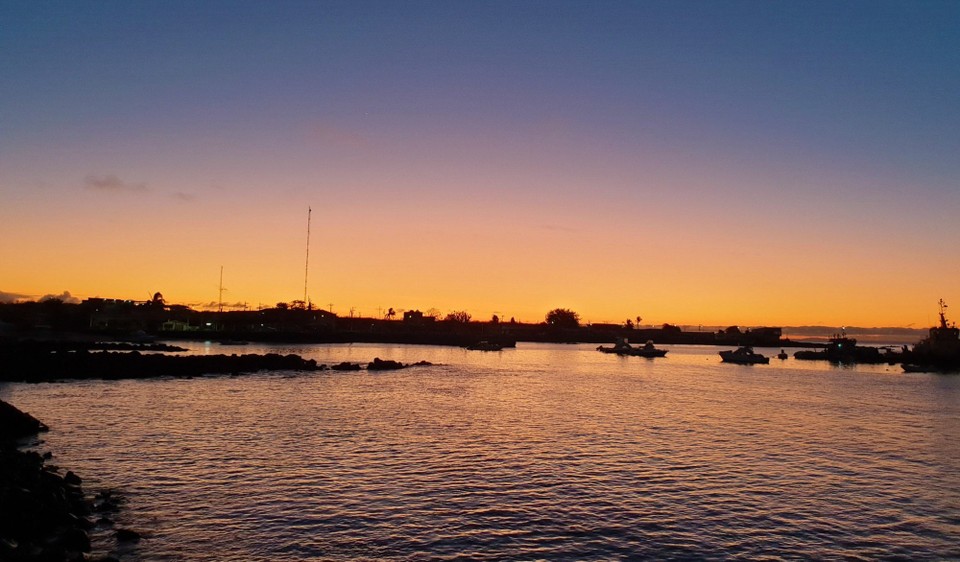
[550,452]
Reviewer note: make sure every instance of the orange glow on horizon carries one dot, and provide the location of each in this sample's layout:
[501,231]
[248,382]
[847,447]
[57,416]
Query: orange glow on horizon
[519,267]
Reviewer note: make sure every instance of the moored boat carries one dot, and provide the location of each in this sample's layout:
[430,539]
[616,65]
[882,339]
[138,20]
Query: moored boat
[649,350]
[939,352]
[843,349]
[743,356]
[622,347]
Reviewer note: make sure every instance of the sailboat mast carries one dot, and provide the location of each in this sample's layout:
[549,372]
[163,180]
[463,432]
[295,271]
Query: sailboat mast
[306,268]
[220,302]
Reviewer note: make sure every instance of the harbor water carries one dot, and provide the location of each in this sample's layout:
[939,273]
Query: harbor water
[552,452]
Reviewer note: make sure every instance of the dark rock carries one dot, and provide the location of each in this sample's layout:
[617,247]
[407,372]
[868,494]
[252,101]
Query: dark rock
[36,363]
[384,365]
[106,506]
[41,512]
[74,539]
[346,366]
[15,424]
[127,535]
[105,522]
[52,478]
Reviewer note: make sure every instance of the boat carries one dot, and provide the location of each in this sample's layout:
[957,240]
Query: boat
[743,356]
[623,347]
[649,350]
[843,349]
[485,346]
[782,355]
[939,352]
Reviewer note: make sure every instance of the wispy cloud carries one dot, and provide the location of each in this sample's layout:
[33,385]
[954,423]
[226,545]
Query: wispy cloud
[214,305]
[7,298]
[64,296]
[183,196]
[557,228]
[112,184]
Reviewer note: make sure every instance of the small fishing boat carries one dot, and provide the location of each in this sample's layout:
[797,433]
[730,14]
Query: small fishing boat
[743,356]
[622,347]
[649,350]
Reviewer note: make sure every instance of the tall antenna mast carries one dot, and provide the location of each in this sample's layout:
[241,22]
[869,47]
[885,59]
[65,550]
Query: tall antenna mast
[221,290]
[306,268]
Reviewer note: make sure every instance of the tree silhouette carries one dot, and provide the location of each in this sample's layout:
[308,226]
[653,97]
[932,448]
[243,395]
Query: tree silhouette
[158,301]
[460,316]
[563,318]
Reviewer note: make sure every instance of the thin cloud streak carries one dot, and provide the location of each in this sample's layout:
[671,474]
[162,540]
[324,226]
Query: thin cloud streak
[214,305]
[8,298]
[110,183]
[183,196]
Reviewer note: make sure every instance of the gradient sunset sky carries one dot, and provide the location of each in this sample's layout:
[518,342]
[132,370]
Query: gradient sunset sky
[752,163]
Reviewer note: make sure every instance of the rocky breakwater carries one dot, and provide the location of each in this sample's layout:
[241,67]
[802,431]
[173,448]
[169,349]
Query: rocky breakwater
[389,365]
[378,365]
[40,363]
[44,516]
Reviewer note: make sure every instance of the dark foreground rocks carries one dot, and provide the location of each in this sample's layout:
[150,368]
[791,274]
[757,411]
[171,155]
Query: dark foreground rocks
[15,424]
[346,366]
[43,516]
[389,365]
[38,364]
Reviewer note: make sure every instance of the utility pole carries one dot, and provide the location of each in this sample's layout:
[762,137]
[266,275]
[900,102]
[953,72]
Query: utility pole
[306,269]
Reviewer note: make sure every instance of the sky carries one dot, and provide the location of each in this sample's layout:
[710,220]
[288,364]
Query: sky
[714,163]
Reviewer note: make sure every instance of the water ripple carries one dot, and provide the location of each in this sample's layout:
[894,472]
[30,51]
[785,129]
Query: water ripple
[544,452]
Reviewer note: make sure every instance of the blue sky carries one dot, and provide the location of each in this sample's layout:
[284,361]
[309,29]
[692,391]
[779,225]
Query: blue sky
[776,122]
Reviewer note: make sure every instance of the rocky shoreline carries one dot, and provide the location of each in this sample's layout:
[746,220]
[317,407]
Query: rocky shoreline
[45,516]
[53,361]
[40,363]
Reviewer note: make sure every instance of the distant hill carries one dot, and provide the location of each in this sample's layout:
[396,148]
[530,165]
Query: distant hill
[866,335]
[884,335]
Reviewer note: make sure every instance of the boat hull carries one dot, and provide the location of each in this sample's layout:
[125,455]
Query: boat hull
[740,358]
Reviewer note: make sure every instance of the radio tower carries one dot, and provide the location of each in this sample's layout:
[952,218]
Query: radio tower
[306,268]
